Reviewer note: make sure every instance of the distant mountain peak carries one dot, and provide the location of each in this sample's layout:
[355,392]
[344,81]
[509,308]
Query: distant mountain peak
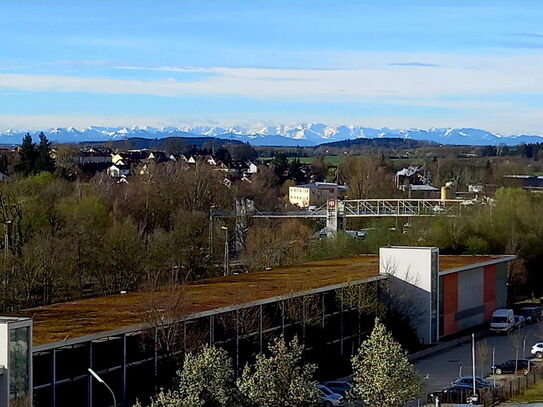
[302,134]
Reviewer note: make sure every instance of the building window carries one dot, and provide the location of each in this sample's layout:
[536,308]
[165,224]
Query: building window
[19,374]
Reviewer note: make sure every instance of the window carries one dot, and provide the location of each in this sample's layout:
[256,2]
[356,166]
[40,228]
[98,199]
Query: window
[19,375]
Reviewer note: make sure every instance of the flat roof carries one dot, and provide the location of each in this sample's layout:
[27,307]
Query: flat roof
[70,320]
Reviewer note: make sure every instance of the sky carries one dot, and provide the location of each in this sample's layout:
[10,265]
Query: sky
[393,63]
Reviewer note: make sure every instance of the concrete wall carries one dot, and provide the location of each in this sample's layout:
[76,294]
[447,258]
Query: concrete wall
[414,286]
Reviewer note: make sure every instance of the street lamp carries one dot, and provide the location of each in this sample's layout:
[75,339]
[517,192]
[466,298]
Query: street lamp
[210,236]
[100,380]
[6,238]
[474,397]
[225,250]
[425,378]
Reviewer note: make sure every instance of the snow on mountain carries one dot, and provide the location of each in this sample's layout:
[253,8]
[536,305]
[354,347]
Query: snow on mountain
[303,134]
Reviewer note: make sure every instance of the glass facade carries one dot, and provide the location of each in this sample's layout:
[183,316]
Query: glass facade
[19,363]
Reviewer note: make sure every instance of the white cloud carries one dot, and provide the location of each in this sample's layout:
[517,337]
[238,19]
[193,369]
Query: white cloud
[24,122]
[456,82]
[505,75]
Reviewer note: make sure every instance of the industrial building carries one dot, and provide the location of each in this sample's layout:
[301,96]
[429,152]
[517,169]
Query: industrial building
[449,294]
[135,340]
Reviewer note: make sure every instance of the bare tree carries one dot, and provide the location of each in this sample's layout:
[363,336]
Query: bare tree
[165,312]
[516,338]
[482,354]
[302,308]
[364,298]
[239,323]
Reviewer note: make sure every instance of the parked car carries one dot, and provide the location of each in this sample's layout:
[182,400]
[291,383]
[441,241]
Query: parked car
[532,314]
[537,350]
[339,386]
[329,398]
[523,366]
[503,320]
[467,381]
[520,321]
[453,395]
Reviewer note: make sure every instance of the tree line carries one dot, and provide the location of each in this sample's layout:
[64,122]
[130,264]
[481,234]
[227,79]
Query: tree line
[68,239]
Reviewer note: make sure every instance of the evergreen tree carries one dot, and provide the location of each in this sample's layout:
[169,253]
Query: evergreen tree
[4,164]
[281,167]
[44,159]
[27,156]
[382,374]
[280,380]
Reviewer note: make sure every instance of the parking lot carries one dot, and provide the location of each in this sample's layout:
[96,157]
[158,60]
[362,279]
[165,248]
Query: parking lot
[443,368]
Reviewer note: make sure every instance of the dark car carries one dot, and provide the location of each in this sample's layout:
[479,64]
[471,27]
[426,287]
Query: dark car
[530,314]
[339,386]
[467,381]
[522,366]
[453,395]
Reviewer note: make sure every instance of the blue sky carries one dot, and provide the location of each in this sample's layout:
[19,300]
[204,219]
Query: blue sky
[376,63]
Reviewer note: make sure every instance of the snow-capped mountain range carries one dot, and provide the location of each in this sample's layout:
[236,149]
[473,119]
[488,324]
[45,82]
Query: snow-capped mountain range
[303,134]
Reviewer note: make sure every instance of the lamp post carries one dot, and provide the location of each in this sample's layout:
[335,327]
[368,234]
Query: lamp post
[226,265]
[6,238]
[494,365]
[425,378]
[474,397]
[211,208]
[100,380]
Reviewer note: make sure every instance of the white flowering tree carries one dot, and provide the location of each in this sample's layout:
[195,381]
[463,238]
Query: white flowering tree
[280,380]
[382,374]
[206,380]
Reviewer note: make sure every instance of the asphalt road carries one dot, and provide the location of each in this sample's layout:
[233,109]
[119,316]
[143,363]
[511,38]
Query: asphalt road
[445,367]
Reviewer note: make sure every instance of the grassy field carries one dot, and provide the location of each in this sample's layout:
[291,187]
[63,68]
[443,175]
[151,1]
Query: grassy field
[533,395]
[329,159]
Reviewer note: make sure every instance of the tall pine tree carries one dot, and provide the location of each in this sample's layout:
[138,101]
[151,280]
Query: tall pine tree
[4,164]
[27,156]
[44,160]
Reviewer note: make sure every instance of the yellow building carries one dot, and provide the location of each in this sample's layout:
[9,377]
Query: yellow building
[315,194]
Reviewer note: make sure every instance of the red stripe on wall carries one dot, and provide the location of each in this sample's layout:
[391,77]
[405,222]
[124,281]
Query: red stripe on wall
[450,303]
[489,283]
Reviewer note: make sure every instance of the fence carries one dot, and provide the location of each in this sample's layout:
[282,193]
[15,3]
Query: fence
[511,387]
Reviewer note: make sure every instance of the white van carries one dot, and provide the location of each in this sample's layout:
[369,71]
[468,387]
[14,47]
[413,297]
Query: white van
[503,320]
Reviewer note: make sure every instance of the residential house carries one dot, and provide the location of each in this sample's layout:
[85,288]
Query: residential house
[416,183]
[118,170]
[252,168]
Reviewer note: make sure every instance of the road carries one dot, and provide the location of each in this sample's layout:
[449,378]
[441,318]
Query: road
[445,367]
